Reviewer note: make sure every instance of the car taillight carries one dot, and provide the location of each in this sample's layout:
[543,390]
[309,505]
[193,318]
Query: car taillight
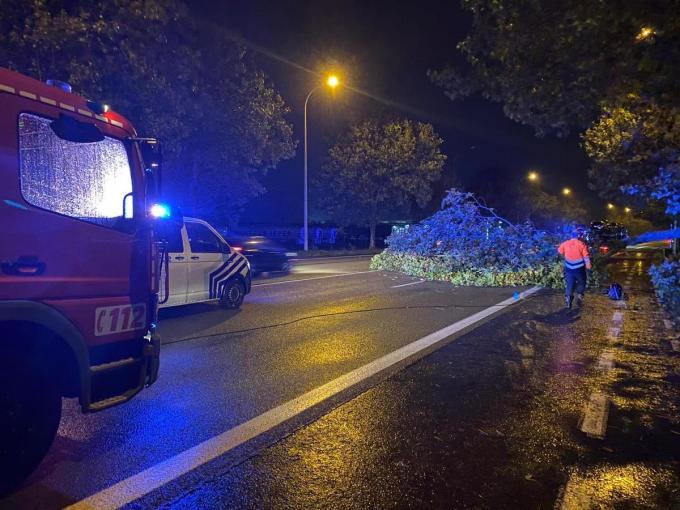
[604,249]
[237,248]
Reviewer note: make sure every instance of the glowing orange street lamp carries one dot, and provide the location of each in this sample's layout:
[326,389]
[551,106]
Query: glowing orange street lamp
[610,206]
[627,210]
[533,176]
[566,191]
[332,81]
[645,34]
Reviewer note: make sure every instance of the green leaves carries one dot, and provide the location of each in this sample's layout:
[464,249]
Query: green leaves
[466,243]
[610,68]
[666,280]
[438,268]
[636,144]
[377,168]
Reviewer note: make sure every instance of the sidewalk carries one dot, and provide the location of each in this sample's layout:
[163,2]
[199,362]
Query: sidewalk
[637,376]
[539,408]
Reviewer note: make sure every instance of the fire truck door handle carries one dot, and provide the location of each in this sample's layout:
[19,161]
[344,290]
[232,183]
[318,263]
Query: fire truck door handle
[195,257]
[24,266]
[179,258]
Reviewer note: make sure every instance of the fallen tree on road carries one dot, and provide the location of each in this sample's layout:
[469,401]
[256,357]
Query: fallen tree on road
[467,243]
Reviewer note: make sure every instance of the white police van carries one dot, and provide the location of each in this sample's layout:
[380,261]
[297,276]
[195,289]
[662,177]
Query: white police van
[203,267]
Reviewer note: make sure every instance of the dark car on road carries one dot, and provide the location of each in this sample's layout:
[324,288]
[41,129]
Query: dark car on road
[608,230]
[263,254]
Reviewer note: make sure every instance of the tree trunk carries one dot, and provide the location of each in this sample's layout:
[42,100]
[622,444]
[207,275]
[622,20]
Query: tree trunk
[372,222]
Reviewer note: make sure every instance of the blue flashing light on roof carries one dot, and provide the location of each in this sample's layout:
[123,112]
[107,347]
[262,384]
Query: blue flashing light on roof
[160,211]
[60,85]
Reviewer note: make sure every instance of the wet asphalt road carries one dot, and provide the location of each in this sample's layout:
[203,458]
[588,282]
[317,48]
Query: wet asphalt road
[488,421]
[220,369]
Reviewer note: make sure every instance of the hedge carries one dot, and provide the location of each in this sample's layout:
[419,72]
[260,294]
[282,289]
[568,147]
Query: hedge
[443,268]
[666,280]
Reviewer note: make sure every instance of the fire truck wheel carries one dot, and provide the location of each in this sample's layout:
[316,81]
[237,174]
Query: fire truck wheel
[233,294]
[31,410]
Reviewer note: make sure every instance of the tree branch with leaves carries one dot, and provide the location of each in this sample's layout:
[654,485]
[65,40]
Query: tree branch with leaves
[380,168]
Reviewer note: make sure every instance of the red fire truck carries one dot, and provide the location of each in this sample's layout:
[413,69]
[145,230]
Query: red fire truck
[80,259]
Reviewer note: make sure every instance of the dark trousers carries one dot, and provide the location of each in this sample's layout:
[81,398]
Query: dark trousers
[576,280]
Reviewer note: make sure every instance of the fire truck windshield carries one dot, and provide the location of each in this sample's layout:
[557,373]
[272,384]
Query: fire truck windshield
[88,181]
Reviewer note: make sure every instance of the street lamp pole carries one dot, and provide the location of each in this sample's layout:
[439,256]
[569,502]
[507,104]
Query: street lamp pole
[332,81]
[305,229]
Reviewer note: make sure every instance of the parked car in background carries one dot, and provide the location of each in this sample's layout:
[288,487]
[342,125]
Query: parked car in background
[263,254]
[608,230]
[203,267]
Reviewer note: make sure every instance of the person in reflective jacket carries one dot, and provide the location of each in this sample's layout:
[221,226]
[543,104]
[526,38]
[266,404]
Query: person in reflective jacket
[576,261]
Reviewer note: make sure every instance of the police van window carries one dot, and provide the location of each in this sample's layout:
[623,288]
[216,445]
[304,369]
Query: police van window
[87,181]
[202,240]
[175,243]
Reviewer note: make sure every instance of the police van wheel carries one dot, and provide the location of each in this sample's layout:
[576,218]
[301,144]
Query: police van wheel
[233,294]
[31,411]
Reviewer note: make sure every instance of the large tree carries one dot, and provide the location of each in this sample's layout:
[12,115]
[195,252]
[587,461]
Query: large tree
[377,168]
[221,123]
[563,66]
[635,147]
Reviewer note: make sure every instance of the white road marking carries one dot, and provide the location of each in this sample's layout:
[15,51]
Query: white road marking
[667,324]
[142,483]
[617,318]
[613,333]
[339,257]
[407,284]
[675,345]
[315,278]
[606,361]
[594,418]
[573,497]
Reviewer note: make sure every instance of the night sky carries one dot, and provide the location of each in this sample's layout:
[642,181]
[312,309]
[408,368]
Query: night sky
[387,48]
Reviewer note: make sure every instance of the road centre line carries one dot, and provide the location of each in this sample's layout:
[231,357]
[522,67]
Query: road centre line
[613,333]
[407,284]
[333,258]
[594,418]
[315,278]
[137,486]
[606,361]
[573,497]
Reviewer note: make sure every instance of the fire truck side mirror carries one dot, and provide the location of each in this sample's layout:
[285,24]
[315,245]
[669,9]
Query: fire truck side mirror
[152,157]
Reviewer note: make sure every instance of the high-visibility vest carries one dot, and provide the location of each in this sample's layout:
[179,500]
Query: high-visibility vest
[575,254]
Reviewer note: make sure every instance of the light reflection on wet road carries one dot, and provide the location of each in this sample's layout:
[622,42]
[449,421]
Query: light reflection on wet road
[489,421]
[288,339]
